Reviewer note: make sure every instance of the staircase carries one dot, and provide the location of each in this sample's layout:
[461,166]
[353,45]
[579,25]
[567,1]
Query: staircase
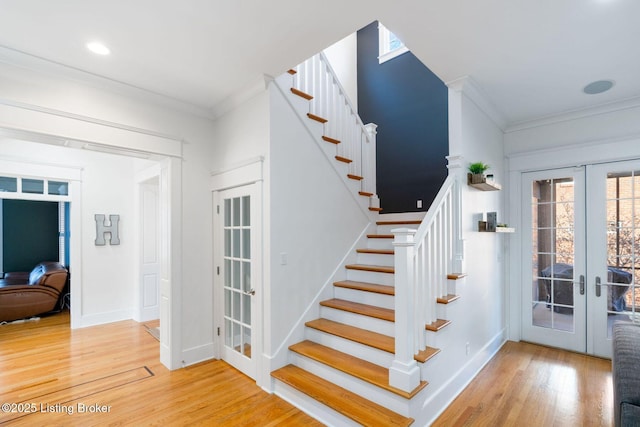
[340,371]
[344,361]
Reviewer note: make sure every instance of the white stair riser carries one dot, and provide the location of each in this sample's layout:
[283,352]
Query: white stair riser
[355,385]
[359,321]
[439,339]
[364,297]
[375,259]
[370,354]
[311,406]
[371,277]
[378,243]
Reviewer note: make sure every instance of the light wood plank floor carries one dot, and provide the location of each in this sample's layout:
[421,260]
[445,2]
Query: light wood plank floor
[117,367]
[531,385]
[46,364]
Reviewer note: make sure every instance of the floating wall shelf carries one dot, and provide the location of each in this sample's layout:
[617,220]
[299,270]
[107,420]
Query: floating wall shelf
[480,182]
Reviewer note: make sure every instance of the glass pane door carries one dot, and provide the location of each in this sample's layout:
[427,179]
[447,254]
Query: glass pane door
[553,258]
[236,225]
[614,235]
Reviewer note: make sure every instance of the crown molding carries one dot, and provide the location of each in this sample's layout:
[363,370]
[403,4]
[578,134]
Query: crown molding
[467,86]
[257,86]
[46,66]
[567,116]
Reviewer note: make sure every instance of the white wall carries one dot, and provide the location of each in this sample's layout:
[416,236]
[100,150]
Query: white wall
[478,317]
[315,220]
[126,118]
[343,57]
[108,271]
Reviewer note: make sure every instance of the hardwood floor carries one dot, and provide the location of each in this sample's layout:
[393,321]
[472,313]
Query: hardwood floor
[115,368]
[531,385]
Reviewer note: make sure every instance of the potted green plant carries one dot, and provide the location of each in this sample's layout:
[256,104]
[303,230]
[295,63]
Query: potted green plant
[476,172]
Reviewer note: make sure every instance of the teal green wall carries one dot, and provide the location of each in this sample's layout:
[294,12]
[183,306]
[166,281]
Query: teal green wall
[30,233]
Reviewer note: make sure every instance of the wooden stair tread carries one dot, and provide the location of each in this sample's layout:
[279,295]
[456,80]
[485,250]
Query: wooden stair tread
[407,222]
[343,159]
[331,140]
[365,193]
[362,336]
[356,177]
[317,118]
[349,404]
[456,276]
[301,94]
[447,299]
[374,268]
[354,366]
[426,354]
[437,325]
[367,287]
[358,308]
[380,236]
[375,251]
[375,209]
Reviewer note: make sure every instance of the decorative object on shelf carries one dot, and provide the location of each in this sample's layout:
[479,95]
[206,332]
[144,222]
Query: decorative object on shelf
[477,171]
[492,221]
[477,178]
[492,226]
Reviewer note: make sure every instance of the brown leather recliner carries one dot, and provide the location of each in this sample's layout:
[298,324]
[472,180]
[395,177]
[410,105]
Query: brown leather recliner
[28,294]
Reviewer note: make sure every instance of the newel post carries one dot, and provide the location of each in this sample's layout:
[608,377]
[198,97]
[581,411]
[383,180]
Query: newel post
[404,372]
[369,163]
[456,168]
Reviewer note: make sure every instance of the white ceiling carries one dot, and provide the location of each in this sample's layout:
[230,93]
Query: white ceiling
[530,58]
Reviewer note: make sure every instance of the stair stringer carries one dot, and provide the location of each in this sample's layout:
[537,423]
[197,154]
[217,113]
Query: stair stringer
[283,83]
[282,356]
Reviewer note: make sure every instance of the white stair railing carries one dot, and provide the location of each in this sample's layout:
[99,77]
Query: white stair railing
[315,77]
[423,259]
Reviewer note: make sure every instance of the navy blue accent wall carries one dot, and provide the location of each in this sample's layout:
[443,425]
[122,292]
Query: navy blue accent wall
[410,106]
[30,233]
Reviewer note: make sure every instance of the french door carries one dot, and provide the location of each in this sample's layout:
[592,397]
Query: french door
[581,248]
[236,273]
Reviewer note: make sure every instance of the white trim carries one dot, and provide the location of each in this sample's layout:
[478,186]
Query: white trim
[445,395]
[22,168]
[571,115]
[102,318]
[241,96]
[384,53]
[577,154]
[22,120]
[476,94]
[392,54]
[38,64]
[198,354]
[242,173]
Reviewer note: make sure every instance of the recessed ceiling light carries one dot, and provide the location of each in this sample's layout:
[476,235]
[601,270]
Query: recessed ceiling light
[98,48]
[598,86]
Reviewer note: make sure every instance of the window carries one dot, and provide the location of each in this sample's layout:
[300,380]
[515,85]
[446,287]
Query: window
[389,45]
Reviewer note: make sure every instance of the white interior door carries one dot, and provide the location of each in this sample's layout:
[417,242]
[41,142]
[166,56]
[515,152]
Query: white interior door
[553,258]
[581,234]
[238,273]
[149,297]
[613,239]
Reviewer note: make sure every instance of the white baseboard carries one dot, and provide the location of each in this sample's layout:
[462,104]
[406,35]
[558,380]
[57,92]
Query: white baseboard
[87,320]
[431,409]
[193,355]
